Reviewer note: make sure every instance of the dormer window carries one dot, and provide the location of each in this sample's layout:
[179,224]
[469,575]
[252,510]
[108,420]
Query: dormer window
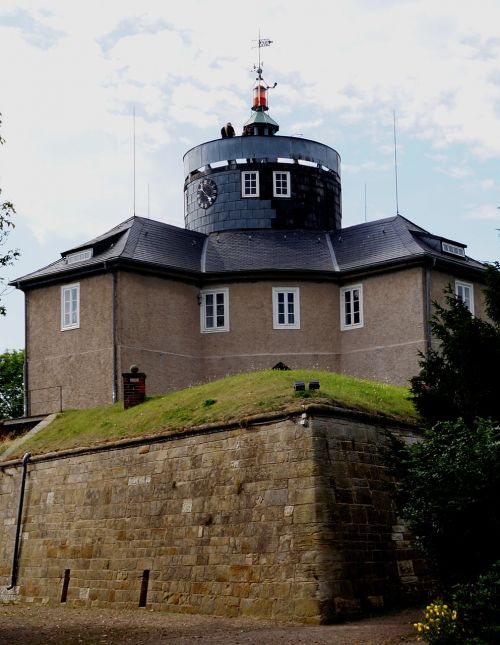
[79,256]
[453,249]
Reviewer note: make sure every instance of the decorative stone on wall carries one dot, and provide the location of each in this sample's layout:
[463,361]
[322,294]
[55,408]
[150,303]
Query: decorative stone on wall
[289,519]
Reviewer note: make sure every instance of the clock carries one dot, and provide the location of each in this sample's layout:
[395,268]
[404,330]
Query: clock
[207,193]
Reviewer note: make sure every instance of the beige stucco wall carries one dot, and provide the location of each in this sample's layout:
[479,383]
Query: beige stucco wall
[386,347]
[440,280]
[252,343]
[78,360]
[158,329]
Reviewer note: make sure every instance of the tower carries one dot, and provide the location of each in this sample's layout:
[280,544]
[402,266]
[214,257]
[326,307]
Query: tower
[262,181]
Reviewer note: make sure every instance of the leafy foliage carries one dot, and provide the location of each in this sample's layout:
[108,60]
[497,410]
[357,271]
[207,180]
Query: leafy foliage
[448,490]
[479,608]
[11,384]
[6,225]
[493,293]
[459,377]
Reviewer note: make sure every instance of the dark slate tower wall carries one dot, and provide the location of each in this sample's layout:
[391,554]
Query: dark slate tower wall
[314,202]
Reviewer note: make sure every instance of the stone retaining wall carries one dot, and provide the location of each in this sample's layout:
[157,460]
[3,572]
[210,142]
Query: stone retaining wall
[288,520]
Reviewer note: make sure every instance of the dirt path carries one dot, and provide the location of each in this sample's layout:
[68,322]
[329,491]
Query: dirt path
[63,626]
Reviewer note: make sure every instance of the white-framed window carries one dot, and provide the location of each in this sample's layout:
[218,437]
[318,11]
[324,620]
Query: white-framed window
[286,308]
[79,256]
[351,307]
[70,306]
[453,249]
[281,183]
[465,291]
[214,310]
[250,183]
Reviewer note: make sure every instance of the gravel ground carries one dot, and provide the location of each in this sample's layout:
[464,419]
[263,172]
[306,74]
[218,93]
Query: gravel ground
[35,625]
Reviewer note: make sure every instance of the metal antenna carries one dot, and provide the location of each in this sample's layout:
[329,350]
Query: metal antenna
[134,160]
[365,201]
[262,42]
[395,163]
[148,200]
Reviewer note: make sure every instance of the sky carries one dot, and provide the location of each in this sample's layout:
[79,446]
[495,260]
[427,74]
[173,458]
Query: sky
[351,74]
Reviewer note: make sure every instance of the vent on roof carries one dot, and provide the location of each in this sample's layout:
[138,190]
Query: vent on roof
[80,256]
[453,249]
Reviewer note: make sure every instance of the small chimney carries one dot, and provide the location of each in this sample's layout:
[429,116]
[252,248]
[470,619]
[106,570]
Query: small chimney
[134,387]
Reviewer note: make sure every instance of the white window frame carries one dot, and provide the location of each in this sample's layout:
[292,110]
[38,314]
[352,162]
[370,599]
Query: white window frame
[277,189]
[465,291]
[453,249]
[287,291]
[248,192]
[79,256]
[344,325]
[214,294]
[70,306]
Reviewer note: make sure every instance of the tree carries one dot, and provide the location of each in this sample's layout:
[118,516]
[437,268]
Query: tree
[7,257]
[448,487]
[458,378]
[11,384]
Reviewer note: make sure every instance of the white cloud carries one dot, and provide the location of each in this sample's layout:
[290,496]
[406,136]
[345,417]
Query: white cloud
[455,172]
[79,68]
[484,212]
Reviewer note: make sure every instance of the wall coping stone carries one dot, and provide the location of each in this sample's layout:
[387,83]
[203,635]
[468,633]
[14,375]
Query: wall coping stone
[319,409]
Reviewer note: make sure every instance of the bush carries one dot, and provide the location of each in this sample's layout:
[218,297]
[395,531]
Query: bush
[448,487]
[11,384]
[458,377]
[479,608]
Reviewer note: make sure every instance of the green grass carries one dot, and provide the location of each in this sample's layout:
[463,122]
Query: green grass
[231,399]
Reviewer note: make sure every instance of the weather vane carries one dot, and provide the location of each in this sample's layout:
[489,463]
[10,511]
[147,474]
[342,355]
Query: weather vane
[261,42]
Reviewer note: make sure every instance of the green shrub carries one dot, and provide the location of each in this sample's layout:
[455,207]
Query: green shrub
[479,608]
[458,376]
[448,490]
[471,617]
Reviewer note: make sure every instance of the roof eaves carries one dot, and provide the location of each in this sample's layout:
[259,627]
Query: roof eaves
[116,263]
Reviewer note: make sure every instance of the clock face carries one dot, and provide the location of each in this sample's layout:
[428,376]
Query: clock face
[207,193]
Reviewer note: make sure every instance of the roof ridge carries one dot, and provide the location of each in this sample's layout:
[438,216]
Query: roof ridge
[397,220]
[383,220]
[131,243]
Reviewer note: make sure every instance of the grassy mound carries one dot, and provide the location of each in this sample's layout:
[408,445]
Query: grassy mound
[230,399]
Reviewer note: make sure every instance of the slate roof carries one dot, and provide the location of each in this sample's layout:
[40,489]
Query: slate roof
[268,250]
[155,246]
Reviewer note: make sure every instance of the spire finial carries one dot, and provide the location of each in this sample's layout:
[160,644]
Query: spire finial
[260,123]
[261,87]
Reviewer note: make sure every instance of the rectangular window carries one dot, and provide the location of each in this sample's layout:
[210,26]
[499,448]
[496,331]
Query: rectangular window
[351,307]
[249,184]
[215,310]
[453,249]
[281,184]
[286,308]
[70,306]
[80,256]
[465,292]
